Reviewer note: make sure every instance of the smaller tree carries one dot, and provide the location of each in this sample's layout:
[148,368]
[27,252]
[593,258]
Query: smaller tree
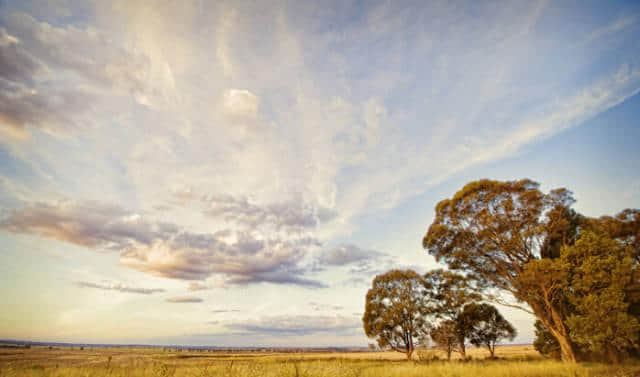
[488,326]
[396,311]
[446,337]
[449,292]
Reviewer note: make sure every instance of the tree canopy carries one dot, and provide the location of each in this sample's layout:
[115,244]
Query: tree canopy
[445,337]
[449,292]
[599,276]
[396,311]
[488,326]
[494,229]
[578,275]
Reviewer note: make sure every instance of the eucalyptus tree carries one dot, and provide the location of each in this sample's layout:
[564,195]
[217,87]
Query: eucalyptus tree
[496,231]
[511,237]
[448,293]
[397,311]
[489,327]
[445,337]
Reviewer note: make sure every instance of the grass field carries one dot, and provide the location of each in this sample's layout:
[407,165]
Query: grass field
[514,361]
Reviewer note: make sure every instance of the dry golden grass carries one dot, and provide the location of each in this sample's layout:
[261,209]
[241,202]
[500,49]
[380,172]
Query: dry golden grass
[112,362]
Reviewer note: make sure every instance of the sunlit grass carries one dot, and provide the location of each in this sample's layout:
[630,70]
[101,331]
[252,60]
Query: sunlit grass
[139,363]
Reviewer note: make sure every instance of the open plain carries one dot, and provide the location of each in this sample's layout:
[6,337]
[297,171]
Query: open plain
[134,362]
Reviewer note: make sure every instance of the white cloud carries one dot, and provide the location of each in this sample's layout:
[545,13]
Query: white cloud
[240,103]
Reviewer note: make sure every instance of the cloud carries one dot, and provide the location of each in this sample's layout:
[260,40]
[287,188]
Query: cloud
[614,28]
[110,286]
[22,101]
[56,78]
[195,286]
[321,307]
[65,48]
[295,325]
[348,254]
[362,264]
[16,64]
[244,260]
[219,311]
[90,224]
[240,103]
[166,250]
[290,216]
[184,299]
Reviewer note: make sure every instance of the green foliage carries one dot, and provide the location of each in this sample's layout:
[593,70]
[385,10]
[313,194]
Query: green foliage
[396,311]
[446,337]
[600,273]
[545,343]
[579,275]
[449,292]
[494,230]
[487,326]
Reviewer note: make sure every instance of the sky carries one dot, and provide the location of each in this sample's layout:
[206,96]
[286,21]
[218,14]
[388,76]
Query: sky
[236,173]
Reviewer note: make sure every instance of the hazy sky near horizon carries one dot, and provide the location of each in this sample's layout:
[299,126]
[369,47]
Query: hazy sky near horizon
[235,173]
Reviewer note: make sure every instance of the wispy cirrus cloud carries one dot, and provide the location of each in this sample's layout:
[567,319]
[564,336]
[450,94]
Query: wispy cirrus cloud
[47,81]
[119,287]
[184,300]
[220,311]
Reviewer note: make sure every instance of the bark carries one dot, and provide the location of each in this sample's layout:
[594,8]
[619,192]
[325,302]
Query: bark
[463,349]
[554,322]
[562,335]
[559,330]
[613,356]
[408,344]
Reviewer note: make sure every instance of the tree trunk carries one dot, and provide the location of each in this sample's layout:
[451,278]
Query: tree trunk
[562,335]
[566,350]
[613,356]
[408,344]
[555,324]
[492,350]
[567,353]
[463,349]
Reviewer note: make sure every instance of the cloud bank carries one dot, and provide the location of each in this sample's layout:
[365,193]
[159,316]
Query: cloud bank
[296,325]
[164,249]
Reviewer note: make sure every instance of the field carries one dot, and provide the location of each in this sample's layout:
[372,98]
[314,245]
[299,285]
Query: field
[131,362]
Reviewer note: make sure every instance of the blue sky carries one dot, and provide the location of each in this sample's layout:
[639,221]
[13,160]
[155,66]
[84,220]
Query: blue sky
[230,173]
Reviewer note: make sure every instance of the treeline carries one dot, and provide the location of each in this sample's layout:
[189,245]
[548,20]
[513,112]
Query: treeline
[405,310]
[513,244]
